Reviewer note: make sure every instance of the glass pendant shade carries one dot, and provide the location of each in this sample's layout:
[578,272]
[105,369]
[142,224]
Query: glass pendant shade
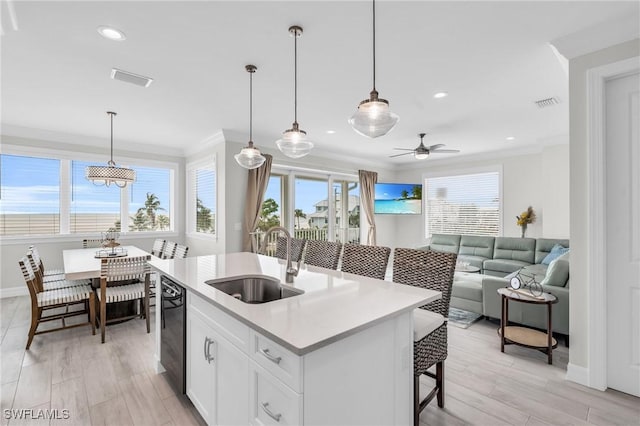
[250,157]
[110,174]
[294,143]
[373,117]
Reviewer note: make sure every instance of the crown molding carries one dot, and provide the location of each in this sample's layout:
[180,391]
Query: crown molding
[205,144]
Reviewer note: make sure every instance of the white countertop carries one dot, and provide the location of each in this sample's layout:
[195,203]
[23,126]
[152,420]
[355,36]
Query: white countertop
[334,305]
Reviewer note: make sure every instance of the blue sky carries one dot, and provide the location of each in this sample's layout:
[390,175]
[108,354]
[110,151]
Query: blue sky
[32,185]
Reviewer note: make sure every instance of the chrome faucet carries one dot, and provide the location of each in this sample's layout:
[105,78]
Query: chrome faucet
[291,271]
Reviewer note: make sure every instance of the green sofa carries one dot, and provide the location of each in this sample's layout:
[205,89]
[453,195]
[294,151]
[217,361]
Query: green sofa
[499,258]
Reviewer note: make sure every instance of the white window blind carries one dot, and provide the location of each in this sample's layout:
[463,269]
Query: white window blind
[93,208]
[202,197]
[463,204]
[29,195]
[150,200]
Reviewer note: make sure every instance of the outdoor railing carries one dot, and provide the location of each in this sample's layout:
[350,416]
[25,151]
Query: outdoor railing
[344,235]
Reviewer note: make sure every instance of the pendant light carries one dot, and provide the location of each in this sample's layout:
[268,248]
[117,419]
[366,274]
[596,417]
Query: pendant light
[373,118]
[294,142]
[250,157]
[110,174]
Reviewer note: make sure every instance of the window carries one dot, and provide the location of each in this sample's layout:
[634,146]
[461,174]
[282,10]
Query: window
[150,200]
[311,204]
[51,196]
[466,204]
[29,195]
[93,208]
[202,197]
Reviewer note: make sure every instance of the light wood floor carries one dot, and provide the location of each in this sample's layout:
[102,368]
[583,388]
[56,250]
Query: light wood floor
[114,383]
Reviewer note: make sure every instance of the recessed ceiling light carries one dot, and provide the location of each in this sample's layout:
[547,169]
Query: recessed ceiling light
[510,138]
[331,132]
[111,33]
[440,95]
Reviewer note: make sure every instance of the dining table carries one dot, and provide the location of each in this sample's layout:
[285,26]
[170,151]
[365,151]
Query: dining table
[80,264]
[86,263]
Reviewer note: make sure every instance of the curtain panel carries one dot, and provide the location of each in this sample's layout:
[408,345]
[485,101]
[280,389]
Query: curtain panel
[367,195]
[256,187]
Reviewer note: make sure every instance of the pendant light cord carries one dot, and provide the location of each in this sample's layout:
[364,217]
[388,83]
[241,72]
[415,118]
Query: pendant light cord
[112,114]
[250,106]
[295,77]
[374,44]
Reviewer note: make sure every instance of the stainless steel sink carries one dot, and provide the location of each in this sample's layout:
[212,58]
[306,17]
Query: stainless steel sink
[255,288]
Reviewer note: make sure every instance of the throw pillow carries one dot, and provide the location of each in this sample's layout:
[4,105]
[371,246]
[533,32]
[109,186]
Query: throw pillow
[558,272]
[555,253]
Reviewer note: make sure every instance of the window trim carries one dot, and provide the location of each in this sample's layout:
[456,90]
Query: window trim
[497,168]
[190,209]
[66,158]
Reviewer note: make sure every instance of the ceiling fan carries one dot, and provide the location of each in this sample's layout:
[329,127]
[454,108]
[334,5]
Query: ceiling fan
[422,152]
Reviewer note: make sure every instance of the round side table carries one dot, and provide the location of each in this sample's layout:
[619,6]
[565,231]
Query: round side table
[523,336]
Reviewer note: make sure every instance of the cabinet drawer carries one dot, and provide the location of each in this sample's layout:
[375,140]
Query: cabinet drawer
[230,328]
[272,402]
[280,362]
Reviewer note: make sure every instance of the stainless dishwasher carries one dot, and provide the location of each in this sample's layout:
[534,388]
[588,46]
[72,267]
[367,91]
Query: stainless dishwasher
[173,314]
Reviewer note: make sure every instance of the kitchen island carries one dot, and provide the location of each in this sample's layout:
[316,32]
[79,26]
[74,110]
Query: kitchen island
[340,353]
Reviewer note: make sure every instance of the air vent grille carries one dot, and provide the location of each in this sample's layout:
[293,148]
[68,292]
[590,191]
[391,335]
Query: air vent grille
[544,103]
[129,77]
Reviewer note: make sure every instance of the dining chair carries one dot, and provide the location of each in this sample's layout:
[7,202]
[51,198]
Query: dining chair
[169,250]
[368,261]
[86,243]
[180,252]
[44,300]
[52,282]
[158,247]
[431,270]
[325,254]
[123,279]
[38,259]
[297,248]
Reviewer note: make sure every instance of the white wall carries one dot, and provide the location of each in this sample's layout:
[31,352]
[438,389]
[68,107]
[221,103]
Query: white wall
[539,179]
[50,247]
[579,319]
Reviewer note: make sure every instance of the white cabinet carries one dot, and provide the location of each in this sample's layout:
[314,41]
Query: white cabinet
[237,376]
[217,372]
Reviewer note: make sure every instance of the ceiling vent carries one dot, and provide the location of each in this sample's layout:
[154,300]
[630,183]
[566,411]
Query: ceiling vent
[543,103]
[129,77]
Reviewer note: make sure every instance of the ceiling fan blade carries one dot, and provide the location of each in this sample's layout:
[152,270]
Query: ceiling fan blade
[404,149]
[398,155]
[436,146]
[445,151]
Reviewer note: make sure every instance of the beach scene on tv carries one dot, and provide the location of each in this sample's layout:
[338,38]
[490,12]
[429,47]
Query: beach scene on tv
[398,198]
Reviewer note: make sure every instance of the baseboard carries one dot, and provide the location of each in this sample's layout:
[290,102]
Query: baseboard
[577,374]
[13,292]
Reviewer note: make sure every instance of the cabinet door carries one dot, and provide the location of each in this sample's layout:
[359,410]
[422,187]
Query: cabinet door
[200,367]
[232,383]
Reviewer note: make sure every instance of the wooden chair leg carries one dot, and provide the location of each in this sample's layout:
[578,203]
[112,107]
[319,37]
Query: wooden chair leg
[440,383]
[92,312]
[103,318]
[146,313]
[36,314]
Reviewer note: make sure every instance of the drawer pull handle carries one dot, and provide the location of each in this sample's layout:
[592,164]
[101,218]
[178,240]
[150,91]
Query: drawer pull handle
[206,341]
[275,359]
[265,407]
[209,356]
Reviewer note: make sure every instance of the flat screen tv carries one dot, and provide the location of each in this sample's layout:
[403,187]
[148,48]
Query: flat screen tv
[398,198]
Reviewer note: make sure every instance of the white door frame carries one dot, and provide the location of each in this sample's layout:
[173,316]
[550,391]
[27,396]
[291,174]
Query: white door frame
[596,257]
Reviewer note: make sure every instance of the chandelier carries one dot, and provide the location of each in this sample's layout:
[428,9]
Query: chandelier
[250,157]
[110,174]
